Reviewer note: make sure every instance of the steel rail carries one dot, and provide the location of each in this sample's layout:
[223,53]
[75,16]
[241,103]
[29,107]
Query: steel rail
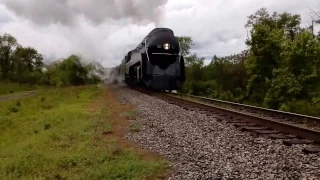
[276,125]
[272,112]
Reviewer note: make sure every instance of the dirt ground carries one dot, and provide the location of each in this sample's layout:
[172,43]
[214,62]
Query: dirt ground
[120,126]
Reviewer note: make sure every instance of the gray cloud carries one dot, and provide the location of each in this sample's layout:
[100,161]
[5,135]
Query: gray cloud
[181,7]
[217,26]
[107,30]
[41,12]
[198,45]
[227,35]
[4,15]
[69,12]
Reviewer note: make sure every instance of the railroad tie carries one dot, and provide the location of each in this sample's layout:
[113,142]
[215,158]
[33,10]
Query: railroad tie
[296,141]
[282,136]
[236,121]
[266,131]
[311,150]
[250,128]
[244,124]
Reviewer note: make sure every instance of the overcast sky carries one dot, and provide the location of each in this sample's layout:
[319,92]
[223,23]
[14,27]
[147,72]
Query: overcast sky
[107,29]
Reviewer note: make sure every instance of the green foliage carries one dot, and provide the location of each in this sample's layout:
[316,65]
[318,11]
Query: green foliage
[133,114]
[221,76]
[72,71]
[7,45]
[301,106]
[24,65]
[185,44]
[65,141]
[282,88]
[280,69]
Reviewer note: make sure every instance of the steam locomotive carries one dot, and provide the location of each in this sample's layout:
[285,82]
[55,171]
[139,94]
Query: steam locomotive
[156,63]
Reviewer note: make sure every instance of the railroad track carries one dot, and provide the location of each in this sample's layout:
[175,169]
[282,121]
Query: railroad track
[274,124]
[291,118]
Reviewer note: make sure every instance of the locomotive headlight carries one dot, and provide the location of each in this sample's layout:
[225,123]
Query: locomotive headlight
[166,46]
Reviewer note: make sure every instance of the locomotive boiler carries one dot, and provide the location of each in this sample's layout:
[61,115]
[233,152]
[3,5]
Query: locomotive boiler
[156,63]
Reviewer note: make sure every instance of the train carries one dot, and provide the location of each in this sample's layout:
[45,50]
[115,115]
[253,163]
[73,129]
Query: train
[156,63]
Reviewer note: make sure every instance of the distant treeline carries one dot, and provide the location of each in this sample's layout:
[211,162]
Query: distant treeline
[25,65]
[279,69]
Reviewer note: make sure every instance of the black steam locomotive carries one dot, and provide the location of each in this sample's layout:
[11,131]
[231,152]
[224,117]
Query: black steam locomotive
[156,63]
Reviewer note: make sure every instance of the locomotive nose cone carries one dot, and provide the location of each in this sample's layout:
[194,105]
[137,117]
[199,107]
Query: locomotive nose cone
[163,41]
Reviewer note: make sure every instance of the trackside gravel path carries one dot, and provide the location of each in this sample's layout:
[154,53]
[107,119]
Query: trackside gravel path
[199,147]
[7,97]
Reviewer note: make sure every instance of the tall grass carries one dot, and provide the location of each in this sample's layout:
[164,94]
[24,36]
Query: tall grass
[54,136]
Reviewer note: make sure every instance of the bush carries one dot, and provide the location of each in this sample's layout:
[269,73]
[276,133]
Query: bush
[301,107]
[226,96]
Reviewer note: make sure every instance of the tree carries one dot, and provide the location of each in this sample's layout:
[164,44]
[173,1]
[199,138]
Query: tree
[185,44]
[214,59]
[270,37]
[7,45]
[28,57]
[25,65]
[303,61]
[72,71]
[194,67]
[280,69]
[282,89]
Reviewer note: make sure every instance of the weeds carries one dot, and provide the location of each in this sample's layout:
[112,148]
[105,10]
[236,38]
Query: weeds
[18,103]
[13,109]
[133,115]
[53,136]
[47,126]
[134,127]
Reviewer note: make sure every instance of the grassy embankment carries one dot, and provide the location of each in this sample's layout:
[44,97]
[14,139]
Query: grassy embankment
[60,134]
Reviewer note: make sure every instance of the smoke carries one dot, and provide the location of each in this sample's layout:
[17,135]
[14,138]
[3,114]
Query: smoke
[69,12]
[98,30]
[112,76]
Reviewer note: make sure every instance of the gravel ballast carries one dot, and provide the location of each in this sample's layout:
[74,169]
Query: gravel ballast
[200,147]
